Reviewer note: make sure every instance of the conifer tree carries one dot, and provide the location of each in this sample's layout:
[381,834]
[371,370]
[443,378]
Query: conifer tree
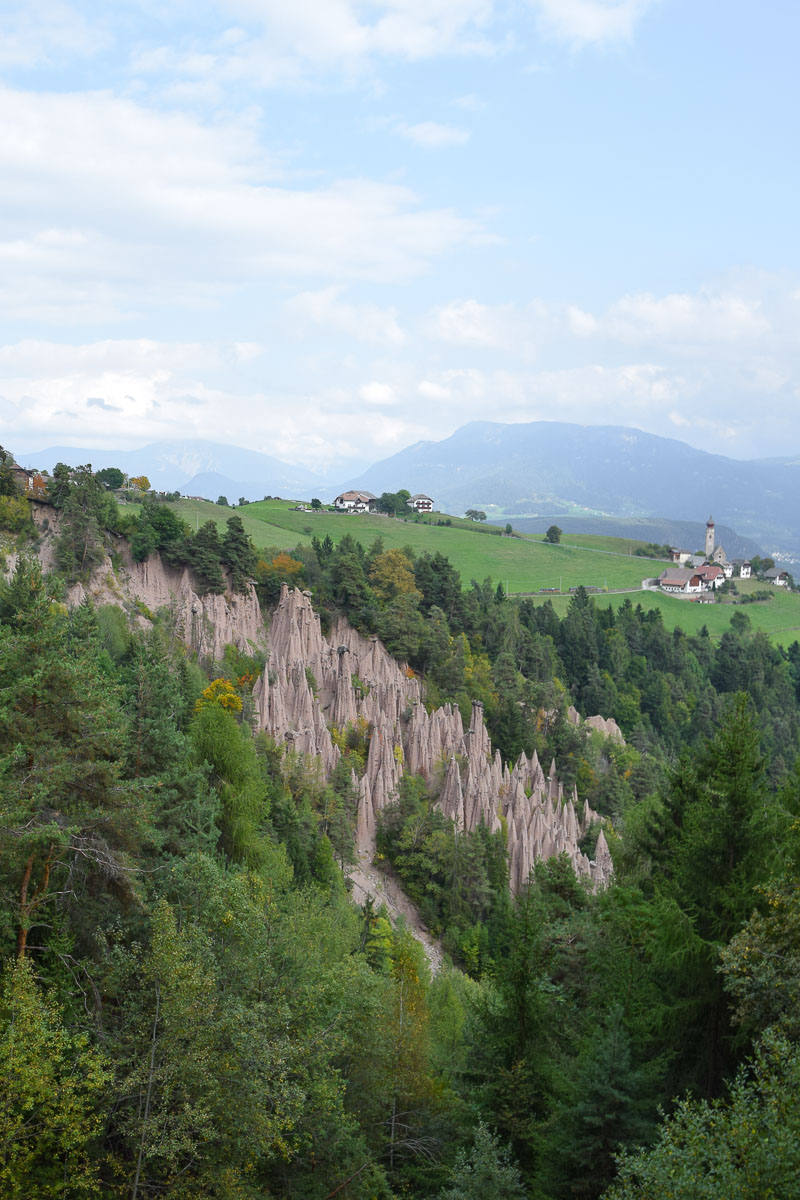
[237,554]
[486,1171]
[205,556]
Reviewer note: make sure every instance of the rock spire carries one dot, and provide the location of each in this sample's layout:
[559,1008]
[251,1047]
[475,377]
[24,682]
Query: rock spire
[312,682]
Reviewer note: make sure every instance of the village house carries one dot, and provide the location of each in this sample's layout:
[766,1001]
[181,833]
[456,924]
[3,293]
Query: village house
[743,568]
[777,577]
[22,477]
[712,575]
[31,483]
[356,502]
[421,503]
[680,580]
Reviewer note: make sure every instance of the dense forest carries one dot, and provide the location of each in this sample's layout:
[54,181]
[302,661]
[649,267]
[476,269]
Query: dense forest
[192,1005]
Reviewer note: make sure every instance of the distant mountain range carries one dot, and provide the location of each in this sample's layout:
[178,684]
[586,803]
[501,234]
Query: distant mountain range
[196,468]
[541,471]
[547,467]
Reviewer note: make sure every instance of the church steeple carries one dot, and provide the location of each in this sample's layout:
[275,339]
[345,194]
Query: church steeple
[710,537]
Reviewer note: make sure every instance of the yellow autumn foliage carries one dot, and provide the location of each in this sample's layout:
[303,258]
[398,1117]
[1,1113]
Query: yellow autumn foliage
[220,692]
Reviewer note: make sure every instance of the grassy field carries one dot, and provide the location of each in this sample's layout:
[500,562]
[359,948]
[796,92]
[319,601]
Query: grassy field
[523,565]
[590,541]
[779,617]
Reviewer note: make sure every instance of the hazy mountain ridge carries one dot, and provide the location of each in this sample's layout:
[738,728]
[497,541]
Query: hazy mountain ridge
[616,472]
[621,472]
[194,466]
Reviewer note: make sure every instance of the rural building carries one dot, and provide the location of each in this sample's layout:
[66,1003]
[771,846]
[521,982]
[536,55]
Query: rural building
[680,580]
[357,502]
[778,577]
[421,503]
[743,568]
[22,477]
[712,575]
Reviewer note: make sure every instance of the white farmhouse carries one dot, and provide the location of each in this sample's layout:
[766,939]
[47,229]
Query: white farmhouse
[680,581]
[357,502]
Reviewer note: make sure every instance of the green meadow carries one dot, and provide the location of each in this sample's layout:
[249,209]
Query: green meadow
[521,564]
[778,618]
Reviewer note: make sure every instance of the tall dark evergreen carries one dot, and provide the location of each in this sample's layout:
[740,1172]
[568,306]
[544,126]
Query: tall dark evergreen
[237,554]
[205,556]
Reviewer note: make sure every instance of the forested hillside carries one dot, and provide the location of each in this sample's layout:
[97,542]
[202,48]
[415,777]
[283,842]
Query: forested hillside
[191,1004]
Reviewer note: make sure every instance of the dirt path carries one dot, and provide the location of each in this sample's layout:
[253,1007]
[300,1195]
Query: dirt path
[384,887]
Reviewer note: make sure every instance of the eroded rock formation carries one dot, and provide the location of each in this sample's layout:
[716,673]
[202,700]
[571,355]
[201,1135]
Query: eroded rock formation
[312,682]
[207,624]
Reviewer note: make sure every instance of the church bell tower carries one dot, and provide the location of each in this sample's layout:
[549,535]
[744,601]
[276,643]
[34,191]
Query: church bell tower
[710,540]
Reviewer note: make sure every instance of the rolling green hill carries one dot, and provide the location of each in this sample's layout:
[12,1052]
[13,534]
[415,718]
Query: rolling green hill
[521,564]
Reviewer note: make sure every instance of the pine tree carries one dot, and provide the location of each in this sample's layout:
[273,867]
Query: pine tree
[205,556]
[62,742]
[237,553]
[486,1173]
[609,1113]
[712,848]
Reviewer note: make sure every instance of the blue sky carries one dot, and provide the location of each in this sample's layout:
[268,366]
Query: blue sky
[326,229]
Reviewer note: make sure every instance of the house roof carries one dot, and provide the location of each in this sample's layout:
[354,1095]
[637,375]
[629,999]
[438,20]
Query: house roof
[774,573]
[709,571]
[420,496]
[678,575]
[353,495]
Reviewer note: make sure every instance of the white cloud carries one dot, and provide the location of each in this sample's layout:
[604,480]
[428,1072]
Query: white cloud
[117,390]
[123,392]
[582,22]
[431,135]
[46,31]
[298,45]
[115,203]
[572,394]
[121,355]
[497,327]
[434,391]
[365,322]
[708,316]
[468,323]
[381,395]
[324,30]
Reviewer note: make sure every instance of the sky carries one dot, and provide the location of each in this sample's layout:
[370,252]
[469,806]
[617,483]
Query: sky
[327,229]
